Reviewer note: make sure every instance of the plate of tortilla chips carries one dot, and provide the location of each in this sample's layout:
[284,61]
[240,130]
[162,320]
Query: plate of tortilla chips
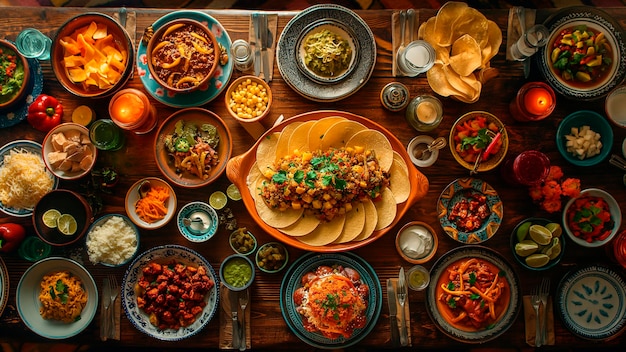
[327,181]
[464,41]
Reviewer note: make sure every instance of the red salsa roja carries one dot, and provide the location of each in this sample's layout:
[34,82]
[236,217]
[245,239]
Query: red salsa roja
[183,56]
[582,56]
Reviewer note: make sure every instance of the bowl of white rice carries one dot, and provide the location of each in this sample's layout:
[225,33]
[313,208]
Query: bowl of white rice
[112,240]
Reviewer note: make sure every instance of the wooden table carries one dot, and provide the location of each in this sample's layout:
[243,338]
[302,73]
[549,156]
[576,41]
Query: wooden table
[269,330]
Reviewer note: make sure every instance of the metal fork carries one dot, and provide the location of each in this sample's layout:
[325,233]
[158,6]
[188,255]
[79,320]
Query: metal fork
[243,303]
[401,293]
[536,301]
[114,292]
[544,292]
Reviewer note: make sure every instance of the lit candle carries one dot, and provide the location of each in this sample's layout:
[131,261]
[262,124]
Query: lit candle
[131,110]
[537,100]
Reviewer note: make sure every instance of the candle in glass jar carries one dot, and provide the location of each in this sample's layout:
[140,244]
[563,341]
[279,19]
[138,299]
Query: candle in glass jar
[131,110]
[537,100]
[534,102]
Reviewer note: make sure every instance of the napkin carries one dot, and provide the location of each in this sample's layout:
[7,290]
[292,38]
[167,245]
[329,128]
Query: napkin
[529,319]
[272,24]
[396,40]
[407,311]
[117,310]
[226,322]
[514,30]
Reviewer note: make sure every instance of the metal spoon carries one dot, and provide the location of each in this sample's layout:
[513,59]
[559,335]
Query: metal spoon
[402,30]
[424,153]
[189,222]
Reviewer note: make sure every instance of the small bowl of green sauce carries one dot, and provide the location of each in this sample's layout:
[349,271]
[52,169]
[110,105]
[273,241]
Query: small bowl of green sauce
[237,272]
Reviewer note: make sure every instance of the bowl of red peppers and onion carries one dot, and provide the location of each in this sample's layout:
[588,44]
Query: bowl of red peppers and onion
[593,218]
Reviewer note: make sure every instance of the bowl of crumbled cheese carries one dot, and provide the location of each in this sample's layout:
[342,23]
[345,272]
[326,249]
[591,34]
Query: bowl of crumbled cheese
[112,240]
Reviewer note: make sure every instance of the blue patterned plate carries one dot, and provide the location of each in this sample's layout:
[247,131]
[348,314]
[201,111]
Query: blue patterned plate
[310,262]
[592,302]
[19,113]
[30,146]
[165,254]
[460,189]
[204,94]
[199,231]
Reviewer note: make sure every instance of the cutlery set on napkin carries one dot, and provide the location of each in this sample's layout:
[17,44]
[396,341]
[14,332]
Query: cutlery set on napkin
[538,315]
[397,298]
[111,305]
[234,319]
[262,42]
[403,31]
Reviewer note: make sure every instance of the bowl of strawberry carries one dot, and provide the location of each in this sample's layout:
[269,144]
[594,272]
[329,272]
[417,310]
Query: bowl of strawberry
[593,218]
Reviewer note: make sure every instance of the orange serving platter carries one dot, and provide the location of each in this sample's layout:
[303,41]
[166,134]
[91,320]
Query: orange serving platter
[239,167]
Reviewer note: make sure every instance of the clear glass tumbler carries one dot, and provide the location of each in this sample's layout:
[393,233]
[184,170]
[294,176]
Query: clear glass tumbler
[33,44]
[529,43]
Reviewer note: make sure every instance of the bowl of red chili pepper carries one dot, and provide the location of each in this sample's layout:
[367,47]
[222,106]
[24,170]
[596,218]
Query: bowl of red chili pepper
[593,218]
[14,75]
[478,141]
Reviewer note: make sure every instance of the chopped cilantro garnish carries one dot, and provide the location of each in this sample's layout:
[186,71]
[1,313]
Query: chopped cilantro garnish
[472,278]
[474,296]
[452,303]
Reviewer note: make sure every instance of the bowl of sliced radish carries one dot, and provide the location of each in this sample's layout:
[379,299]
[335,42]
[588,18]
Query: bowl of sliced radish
[584,138]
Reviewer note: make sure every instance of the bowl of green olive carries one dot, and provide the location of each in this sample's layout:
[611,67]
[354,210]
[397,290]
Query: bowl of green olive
[242,241]
[272,257]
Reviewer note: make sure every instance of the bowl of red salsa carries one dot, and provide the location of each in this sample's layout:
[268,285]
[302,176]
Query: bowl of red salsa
[583,59]
[593,218]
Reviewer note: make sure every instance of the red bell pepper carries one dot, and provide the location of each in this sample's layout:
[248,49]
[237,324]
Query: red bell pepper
[45,113]
[11,235]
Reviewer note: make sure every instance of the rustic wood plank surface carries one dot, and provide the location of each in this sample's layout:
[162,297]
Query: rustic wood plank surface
[269,330]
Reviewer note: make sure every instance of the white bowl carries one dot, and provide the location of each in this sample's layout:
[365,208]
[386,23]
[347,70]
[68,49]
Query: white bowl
[132,196]
[78,168]
[614,209]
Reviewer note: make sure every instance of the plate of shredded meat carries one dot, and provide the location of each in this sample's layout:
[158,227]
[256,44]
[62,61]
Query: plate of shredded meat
[331,300]
[170,292]
[470,210]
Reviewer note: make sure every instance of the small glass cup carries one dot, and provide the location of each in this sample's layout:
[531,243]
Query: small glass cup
[34,249]
[33,44]
[529,168]
[106,135]
[615,106]
[534,102]
[529,43]
[418,278]
[618,247]
[418,57]
[131,110]
[424,113]
[242,54]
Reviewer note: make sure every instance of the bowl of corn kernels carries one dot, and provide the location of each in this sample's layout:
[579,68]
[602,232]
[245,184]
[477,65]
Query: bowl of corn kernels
[248,99]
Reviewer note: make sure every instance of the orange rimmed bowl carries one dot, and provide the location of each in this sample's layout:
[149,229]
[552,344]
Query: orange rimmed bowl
[238,169]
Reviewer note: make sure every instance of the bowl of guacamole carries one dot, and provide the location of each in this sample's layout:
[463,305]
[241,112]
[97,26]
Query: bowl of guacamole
[237,272]
[14,75]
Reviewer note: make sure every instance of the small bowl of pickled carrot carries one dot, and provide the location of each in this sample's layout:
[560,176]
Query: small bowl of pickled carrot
[150,203]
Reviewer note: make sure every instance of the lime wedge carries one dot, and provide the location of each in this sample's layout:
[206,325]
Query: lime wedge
[67,224]
[526,248]
[233,192]
[522,231]
[540,234]
[218,200]
[554,249]
[537,260]
[555,228]
[50,218]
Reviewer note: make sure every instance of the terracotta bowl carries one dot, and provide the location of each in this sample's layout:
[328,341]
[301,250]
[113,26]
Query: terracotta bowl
[7,102]
[239,167]
[66,202]
[157,43]
[233,86]
[120,44]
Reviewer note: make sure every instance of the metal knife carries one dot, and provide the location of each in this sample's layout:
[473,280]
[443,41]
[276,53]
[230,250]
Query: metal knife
[521,16]
[257,44]
[265,59]
[393,310]
[234,310]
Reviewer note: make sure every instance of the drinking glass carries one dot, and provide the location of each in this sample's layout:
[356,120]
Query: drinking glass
[424,113]
[105,135]
[529,168]
[33,249]
[418,57]
[534,38]
[33,44]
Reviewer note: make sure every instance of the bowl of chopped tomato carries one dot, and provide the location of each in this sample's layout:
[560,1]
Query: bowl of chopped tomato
[593,218]
[478,134]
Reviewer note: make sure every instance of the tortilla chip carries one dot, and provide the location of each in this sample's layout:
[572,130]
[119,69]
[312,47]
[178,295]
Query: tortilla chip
[325,232]
[494,40]
[305,225]
[466,55]
[377,141]
[473,23]
[371,219]
[336,135]
[447,14]
[439,82]
[385,209]
[355,221]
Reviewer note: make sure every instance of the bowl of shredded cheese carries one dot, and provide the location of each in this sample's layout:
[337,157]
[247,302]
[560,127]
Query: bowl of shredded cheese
[24,179]
[112,240]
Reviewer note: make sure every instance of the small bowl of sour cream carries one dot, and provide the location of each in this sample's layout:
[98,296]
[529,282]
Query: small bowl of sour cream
[197,221]
[417,242]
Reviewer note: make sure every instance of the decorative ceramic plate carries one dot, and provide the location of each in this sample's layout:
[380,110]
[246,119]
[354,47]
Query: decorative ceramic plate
[464,188]
[208,226]
[204,94]
[164,254]
[595,19]
[310,262]
[164,160]
[32,147]
[438,276]
[287,53]
[19,113]
[4,286]
[592,302]
[27,298]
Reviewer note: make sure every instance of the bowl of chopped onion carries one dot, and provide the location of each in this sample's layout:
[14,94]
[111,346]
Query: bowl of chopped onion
[150,203]
[584,138]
